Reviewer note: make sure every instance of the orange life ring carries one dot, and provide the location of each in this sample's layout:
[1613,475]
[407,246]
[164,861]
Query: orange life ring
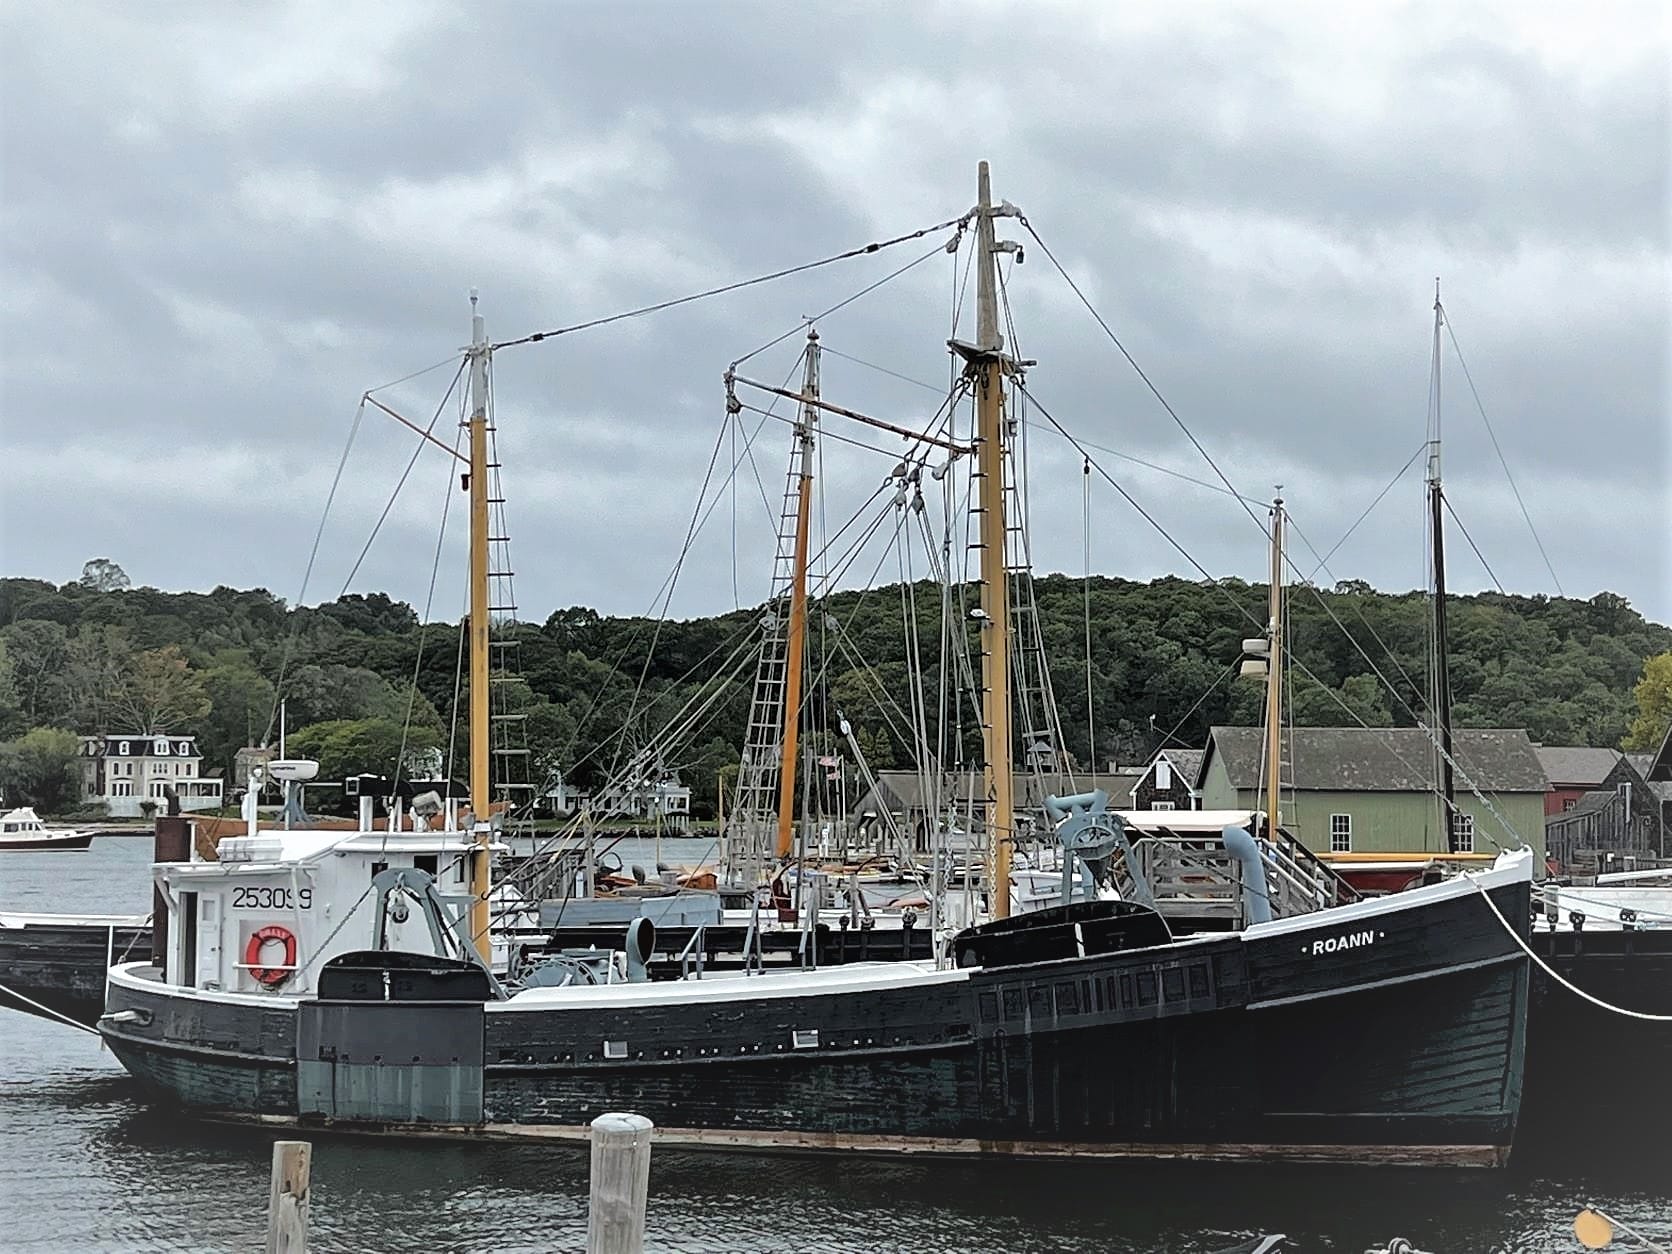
[272,977]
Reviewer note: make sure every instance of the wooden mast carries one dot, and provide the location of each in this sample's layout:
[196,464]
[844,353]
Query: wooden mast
[798,605]
[988,365]
[1274,675]
[480,798]
[1441,682]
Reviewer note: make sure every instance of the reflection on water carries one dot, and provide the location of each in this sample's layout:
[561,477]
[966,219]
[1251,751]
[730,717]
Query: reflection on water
[85,1165]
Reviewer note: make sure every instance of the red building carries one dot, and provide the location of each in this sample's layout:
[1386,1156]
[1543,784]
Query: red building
[1573,772]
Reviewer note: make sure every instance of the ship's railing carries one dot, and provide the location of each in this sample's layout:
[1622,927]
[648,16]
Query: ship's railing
[1195,876]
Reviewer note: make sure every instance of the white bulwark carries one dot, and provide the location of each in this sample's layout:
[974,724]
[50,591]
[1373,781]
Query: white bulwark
[125,771]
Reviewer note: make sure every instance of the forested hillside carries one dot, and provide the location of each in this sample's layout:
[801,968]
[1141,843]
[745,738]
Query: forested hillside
[97,655]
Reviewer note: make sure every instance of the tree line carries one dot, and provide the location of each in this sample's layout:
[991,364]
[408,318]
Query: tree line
[363,680]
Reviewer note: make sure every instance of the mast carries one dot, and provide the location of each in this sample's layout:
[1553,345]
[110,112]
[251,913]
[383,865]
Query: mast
[798,604]
[480,800]
[1441,680]
[988,365]
[1274,674]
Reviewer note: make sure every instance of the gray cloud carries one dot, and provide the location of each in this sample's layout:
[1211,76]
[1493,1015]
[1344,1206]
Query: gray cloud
[221,227]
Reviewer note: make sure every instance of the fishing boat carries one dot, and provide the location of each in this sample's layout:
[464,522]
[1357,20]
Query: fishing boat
[307,979]
[22,829]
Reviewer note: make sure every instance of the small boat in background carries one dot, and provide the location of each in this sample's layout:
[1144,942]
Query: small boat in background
[22,829]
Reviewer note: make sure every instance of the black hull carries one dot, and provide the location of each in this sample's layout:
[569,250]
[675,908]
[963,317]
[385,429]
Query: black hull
[1593,1075]
[61,966]
[1403,1045]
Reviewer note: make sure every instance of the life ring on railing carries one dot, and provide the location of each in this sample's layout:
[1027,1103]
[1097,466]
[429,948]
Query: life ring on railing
[271,977]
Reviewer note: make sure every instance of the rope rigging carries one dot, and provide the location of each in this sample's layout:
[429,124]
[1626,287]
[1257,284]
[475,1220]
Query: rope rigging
[861,251]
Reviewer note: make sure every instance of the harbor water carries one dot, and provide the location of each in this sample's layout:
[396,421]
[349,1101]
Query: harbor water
[87,1165]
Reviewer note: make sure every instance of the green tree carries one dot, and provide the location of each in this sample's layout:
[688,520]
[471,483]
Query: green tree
[42,768]
[240,705]
[1654,704]
[38,651]
[345,747]
[161,693]
[103,575]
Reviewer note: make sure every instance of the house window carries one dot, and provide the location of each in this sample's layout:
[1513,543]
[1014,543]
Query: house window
[183,748]
[161,747]
[122,748]
[1161,805]
[1340,833]
[1164,775]
[1462,833]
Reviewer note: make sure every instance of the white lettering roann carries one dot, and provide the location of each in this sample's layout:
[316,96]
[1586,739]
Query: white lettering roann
[1335,944]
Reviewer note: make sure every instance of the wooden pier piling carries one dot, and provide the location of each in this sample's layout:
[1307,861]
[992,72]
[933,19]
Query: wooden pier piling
[287,1198]
[620,1183]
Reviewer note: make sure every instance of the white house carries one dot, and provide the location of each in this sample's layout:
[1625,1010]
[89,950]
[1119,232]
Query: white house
[664,799]
[124,771]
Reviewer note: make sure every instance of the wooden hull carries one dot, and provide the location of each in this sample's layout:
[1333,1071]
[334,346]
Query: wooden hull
[59,962]
[1393,1036]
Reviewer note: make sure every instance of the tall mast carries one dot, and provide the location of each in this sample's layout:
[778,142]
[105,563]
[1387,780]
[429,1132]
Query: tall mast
[480,799]
[988,364]
[798,604]
[1274,674]
[1441,679]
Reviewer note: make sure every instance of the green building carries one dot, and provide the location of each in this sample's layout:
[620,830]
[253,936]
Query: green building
[1371,789]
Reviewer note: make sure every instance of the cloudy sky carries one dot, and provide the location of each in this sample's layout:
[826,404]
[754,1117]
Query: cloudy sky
[223,224]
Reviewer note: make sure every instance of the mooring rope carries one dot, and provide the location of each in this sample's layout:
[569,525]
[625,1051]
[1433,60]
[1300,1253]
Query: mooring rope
[1556,975]
[47,1010]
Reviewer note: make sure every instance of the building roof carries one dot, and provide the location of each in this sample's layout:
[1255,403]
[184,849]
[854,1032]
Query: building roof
[1381,759]
[1661,767]
[1188,762]
[140,745]
[1578,766]
[1644,765]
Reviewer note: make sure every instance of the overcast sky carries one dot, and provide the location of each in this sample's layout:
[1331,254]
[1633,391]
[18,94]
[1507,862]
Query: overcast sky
[223,224]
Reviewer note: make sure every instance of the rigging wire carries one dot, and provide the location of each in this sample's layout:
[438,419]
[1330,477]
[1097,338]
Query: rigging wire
[307,574]
[839,305]
[1527,517]
[1244,611]
[1085,585]
[643,310]
[1346,535]
[424,622]
[1478,554]
[401,482]
[936,388]
[1131,361]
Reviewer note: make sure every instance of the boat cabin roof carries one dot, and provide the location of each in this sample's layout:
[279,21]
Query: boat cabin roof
[22,817]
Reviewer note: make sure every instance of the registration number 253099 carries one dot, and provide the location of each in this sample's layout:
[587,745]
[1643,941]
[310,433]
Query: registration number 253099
[276,898]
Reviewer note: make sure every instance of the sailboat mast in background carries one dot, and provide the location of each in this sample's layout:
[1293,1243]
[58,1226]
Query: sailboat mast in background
[1440,680]
[480,800]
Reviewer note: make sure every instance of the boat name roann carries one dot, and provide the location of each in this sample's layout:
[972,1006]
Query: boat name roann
[1334,944]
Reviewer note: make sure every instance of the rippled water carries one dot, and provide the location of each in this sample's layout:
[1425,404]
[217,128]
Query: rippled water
[85,1165]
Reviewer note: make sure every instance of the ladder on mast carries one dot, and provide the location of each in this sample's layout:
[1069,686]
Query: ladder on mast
[752,826]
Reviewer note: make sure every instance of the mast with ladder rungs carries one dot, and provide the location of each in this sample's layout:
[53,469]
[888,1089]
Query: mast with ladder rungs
[987,365]
[1440,681]
[480,788]
[798,605]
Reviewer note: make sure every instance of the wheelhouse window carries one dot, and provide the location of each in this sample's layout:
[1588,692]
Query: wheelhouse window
[1462,833]
[1340,833]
